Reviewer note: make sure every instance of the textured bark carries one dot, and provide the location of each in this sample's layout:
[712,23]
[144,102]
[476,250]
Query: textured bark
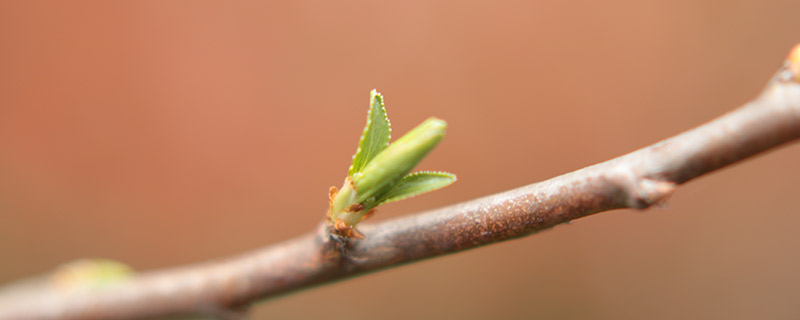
[227,287]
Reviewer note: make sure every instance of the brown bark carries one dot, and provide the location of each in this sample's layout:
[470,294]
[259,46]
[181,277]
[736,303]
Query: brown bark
[640,179]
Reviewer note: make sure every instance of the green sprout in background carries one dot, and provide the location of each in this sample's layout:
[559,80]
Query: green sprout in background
[380,171]
[89,274]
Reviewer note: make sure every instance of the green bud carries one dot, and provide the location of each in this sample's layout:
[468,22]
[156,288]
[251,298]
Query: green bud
[397,160]
[383,176]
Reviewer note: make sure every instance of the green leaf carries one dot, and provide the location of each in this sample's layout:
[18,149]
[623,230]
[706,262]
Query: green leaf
[417,183]
[376,134]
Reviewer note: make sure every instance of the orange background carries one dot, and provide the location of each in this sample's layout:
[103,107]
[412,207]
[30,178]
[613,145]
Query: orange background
[164,133]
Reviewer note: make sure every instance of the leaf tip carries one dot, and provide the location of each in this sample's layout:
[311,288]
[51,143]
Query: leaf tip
[374,95]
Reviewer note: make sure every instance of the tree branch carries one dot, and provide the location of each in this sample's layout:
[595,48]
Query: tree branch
[227,287]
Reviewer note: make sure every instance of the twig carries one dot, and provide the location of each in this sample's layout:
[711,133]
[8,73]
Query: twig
[637,180]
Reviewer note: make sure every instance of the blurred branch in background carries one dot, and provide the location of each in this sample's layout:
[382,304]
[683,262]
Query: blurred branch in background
[226,288]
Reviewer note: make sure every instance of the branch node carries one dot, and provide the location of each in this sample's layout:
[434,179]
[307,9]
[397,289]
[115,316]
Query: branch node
[648,192]
[337,249]
[641,191]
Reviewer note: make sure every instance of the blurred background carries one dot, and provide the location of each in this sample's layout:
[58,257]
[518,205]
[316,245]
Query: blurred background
[165,133]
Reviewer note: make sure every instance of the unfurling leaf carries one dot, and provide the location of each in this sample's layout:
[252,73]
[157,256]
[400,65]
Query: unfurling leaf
[417,183]
[396,161]
[376,135]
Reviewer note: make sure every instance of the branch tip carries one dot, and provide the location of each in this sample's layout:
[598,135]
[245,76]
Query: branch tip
[794,62]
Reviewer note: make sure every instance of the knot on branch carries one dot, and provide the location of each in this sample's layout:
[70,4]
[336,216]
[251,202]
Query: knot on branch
[641,192]
[645,192]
